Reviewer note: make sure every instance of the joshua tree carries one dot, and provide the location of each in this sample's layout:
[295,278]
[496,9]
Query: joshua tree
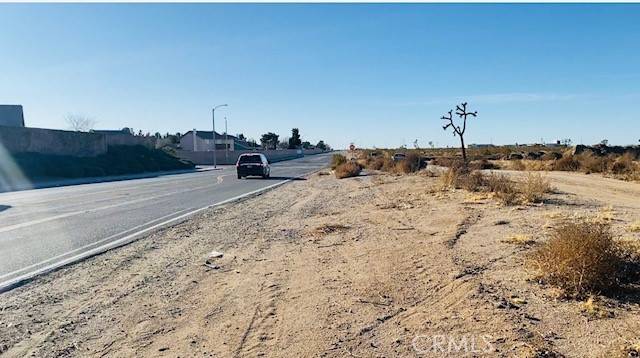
[461,111]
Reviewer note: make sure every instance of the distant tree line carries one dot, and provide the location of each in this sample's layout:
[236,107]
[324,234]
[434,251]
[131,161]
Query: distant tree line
[272,140]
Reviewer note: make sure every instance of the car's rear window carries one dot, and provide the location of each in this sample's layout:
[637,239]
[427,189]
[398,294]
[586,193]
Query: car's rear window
[250,159]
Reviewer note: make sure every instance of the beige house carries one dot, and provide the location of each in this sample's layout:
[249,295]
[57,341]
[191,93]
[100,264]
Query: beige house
[202,141]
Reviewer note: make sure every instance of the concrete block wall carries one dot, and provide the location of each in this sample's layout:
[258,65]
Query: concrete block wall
[206,158]
[127,139]
[51,141]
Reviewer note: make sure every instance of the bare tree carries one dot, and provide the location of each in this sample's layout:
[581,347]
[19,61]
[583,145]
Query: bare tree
[461,111]
[79,123]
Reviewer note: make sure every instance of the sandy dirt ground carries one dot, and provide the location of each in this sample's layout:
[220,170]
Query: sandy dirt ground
[378,265]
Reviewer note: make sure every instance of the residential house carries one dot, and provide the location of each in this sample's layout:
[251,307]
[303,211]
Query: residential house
[202,141]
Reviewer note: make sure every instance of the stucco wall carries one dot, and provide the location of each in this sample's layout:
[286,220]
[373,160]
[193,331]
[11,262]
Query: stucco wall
[128,139]
[206,158]
[51,141]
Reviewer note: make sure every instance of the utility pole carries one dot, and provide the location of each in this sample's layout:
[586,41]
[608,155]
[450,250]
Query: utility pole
[213,134]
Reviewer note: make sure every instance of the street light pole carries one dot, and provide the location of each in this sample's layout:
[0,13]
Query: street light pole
[226,144]
[213,134]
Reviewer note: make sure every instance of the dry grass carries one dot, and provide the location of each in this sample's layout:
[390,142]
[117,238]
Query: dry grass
[377,163]
[330,228]
[410,164]
[633,350]
[337,160]
[518,165]
[534,188]
[519,239]
[580,258]
[567,163]
[594,308]
[449,179]
[590,163]
[624,165]
[474,181]
[504,188]
[635,226]
[606,215]
[347,170]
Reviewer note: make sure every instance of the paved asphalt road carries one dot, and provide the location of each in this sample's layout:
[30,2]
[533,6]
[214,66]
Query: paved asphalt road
[44,228]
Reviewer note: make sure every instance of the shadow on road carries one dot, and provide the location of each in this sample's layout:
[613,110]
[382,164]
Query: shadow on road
[275,178]
[4,207]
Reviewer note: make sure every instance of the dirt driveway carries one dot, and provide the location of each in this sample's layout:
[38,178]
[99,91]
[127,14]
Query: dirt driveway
[378,265]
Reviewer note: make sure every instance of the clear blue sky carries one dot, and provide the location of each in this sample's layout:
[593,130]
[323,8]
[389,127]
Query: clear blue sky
[372,74]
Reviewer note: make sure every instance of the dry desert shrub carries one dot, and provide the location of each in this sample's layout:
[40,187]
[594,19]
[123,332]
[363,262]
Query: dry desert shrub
[635,227]
[624,165]
[483,164]
[581,257]
[474,181]
[594,308]
[449,162]
[337,160]
[449,179]
[507,191]
[347,170]
[504,188]
[590,163]
[537,165]
[518,165]
[567,163]
[376,163]
[410,164]
[534,188]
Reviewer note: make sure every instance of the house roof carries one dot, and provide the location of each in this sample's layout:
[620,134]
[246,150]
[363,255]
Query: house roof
[11,115]
[110,131]
[208,135]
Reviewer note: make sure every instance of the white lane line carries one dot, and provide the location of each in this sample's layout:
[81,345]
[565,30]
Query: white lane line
[6,285]
[141,189]
[111,206]
[91,244]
